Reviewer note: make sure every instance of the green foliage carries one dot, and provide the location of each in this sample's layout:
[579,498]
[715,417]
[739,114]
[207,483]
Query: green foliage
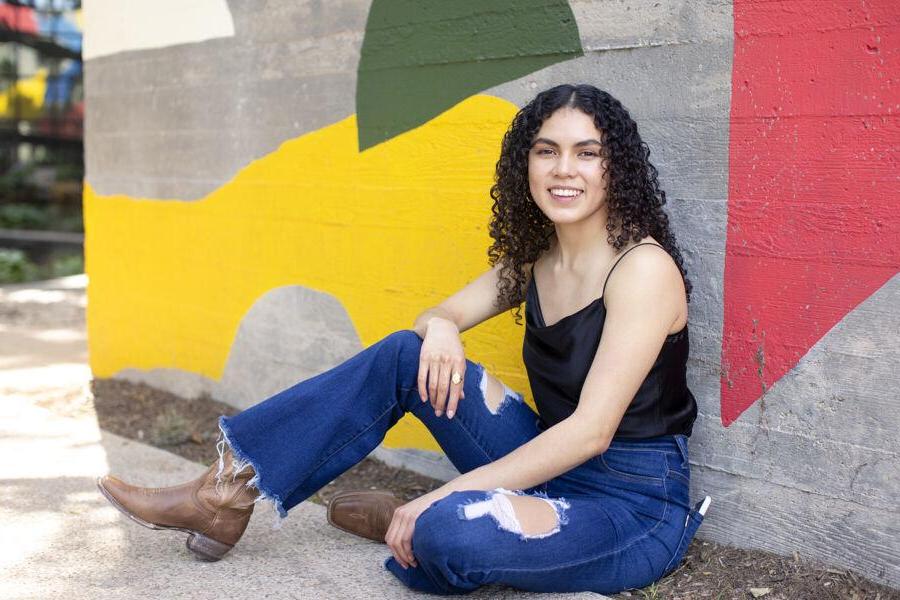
[69,172]
[23,216]
[170,428]
[63,266]
[15,266]
[16,180]
[73,222]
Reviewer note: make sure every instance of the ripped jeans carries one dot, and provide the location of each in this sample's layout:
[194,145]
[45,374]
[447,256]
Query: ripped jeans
[623,518]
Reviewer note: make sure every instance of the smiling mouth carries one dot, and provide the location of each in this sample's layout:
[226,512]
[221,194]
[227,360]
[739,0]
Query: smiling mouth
[565,194]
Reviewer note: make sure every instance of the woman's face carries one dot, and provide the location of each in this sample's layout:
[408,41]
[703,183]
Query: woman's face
[566,173]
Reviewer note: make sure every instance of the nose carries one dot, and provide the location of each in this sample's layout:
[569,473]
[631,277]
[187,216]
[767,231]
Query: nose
[565,166]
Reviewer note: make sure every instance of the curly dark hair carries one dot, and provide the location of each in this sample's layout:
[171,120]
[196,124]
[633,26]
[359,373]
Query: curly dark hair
[521,231]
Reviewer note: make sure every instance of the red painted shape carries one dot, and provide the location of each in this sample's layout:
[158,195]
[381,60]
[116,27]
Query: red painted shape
[813,195]
[18,18]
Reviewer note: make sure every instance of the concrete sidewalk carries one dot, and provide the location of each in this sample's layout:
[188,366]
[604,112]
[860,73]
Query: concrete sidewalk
[61,539]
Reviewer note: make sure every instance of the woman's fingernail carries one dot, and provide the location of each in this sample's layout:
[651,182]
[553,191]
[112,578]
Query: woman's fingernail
[438,413]
[450,414]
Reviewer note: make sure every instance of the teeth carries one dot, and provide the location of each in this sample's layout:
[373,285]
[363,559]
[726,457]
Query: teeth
[568,193]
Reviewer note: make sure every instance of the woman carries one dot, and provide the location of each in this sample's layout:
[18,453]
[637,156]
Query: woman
[590,493]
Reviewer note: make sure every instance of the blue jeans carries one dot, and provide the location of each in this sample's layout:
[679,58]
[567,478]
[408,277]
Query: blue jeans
[624,518]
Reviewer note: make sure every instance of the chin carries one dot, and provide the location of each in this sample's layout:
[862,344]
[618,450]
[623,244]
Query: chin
[565,217]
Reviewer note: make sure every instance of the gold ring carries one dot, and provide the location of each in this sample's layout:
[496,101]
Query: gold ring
[456,378]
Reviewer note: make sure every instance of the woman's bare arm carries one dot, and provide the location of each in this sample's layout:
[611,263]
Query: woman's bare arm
[468,307]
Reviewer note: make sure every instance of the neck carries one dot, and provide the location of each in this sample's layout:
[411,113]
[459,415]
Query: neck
[580,246]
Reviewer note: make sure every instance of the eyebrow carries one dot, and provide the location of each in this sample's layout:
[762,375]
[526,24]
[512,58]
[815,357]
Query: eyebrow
[550,142]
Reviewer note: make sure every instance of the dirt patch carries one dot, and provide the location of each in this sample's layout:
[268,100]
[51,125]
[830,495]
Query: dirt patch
[714,571]
[188,428]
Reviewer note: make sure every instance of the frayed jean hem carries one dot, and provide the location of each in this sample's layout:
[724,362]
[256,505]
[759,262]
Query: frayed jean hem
[242,461]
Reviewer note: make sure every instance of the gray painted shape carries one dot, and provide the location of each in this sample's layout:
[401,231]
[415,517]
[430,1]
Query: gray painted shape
[180,121]
[290,333]
[754,513]
[823,446]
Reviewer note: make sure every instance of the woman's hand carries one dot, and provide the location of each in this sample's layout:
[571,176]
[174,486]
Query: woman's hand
[400,532]
[442,355]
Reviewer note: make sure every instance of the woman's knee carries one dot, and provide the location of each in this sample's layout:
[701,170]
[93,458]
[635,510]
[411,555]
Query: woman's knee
[403,339]
[437,532]
[400,350]
[446,544]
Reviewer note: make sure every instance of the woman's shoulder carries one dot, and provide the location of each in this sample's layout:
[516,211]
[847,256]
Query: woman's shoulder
[648,273]
[646,240]
[645,258]
[642,259]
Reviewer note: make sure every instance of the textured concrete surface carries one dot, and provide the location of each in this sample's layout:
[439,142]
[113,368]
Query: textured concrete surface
[43,344]
[62,539]
[179,121]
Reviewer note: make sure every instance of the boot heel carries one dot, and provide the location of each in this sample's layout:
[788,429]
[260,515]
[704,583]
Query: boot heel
[206,548]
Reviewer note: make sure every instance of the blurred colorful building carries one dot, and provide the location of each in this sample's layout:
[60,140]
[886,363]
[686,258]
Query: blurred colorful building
[41,100]
[41,130]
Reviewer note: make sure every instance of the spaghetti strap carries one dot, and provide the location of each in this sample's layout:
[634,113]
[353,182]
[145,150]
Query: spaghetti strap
[603,293]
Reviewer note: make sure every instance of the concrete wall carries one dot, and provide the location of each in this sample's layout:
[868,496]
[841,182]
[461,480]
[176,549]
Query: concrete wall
[239,239]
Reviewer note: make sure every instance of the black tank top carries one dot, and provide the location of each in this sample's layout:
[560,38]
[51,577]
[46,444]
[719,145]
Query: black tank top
[558,357]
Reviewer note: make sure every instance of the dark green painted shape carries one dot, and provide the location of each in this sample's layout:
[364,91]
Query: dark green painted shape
[421,57]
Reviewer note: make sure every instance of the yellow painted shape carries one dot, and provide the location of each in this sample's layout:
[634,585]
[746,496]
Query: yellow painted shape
[388,232]
[28,94]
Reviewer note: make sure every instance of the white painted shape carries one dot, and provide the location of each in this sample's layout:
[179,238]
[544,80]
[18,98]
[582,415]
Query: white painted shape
[112,26]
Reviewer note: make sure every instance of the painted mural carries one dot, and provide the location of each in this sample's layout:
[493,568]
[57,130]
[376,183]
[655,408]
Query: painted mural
[813,228]
[359,238]
[288,183]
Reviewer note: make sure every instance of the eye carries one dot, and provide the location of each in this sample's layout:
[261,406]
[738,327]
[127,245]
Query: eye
[589,153]
[544,151]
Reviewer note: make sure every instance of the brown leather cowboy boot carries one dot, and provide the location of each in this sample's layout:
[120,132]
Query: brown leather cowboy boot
[364,513]
[214,515]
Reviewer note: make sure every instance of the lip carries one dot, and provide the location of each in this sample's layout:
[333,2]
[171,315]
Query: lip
[565,199]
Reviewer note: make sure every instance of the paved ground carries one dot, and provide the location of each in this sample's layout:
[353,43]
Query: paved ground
[61,539]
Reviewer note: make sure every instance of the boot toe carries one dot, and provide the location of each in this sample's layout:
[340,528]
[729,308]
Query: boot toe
[116,492]
[367,514]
